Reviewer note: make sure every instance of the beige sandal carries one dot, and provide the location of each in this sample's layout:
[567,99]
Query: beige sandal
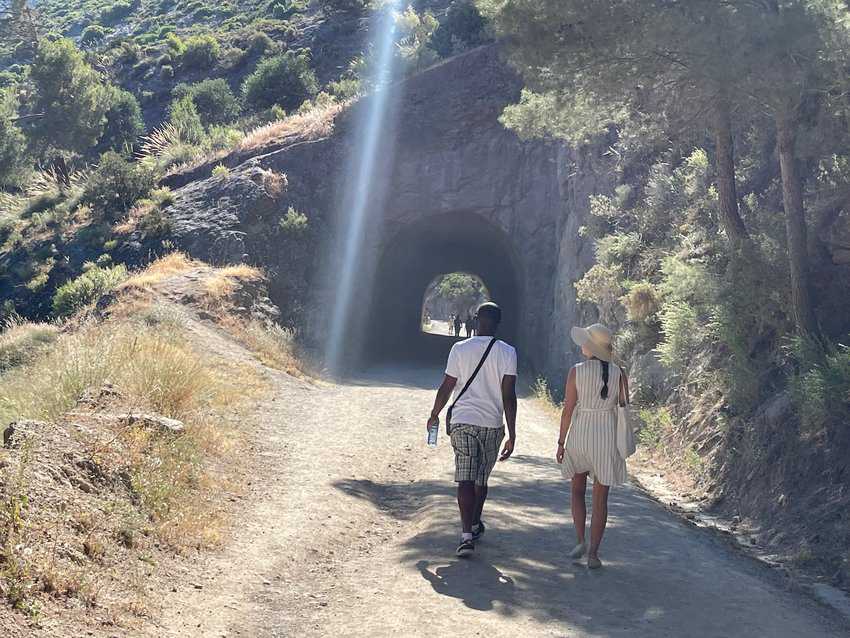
[579,551]
[593,562]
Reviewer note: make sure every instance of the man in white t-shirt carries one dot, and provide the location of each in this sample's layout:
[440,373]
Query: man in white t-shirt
[476,419]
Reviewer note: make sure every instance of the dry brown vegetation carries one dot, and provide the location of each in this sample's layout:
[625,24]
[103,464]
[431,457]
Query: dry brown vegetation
[315,123]
[92,499]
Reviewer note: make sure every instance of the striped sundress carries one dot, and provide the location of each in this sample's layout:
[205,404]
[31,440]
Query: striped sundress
[591,444]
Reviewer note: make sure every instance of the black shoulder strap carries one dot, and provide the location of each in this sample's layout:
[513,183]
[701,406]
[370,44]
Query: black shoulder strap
[469,381]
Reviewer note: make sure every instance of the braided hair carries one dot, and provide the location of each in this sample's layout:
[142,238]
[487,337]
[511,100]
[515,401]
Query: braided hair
[604,393]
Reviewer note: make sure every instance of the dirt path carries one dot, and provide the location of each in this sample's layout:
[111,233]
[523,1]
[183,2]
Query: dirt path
[351,528]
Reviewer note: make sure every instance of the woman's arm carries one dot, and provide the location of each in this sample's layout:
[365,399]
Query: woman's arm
[570,400]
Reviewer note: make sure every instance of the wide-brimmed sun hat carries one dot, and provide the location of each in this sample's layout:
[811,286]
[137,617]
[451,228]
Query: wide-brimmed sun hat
[596,338]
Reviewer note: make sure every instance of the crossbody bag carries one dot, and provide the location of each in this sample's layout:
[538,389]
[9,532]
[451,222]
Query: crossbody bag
[466,387]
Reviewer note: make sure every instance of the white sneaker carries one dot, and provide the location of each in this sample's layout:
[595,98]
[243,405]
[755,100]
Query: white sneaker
[579,551]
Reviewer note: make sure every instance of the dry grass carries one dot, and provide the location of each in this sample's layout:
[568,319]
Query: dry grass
[273,345]
[21,342]
[167,266]
[311,125]
[225,281]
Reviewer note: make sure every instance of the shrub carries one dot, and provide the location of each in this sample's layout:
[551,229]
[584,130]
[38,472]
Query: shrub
[461,28]
[821,389]
[641,301]
[285,79]
[213,99]
[116,11]
[92,34]
[601,285]
[220,170]
[166,72]
[116,185]
[184,117]
[200,52]
[87,289]
[681,329]
[124,122]
[294,222]
[175,44]
[284,9]
[259,43]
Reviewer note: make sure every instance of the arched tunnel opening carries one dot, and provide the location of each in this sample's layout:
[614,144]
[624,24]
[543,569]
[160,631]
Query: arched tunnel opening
[411,260]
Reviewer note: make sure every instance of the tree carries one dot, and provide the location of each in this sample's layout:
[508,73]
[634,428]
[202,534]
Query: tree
[12,140]
[215,102]
[797,65]
[70,96]
[123,122]
[286,80]
[591,65]
[461,290]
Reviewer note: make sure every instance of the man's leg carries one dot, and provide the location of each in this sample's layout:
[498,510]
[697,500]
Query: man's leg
[466,502]
[480,497]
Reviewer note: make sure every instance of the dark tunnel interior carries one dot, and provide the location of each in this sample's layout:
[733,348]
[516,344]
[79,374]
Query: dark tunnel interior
[411,259]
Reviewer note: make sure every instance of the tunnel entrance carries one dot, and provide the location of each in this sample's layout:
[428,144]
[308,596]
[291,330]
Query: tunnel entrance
[412,259]
[452,296]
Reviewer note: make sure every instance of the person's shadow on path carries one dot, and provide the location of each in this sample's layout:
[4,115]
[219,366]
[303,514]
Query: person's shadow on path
[475,582]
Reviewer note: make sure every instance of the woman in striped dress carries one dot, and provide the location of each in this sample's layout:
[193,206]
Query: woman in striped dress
[587,443]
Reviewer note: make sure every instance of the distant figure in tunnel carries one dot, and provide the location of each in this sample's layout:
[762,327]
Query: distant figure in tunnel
[468,325]
[587,443]
[485,370]
[457,324]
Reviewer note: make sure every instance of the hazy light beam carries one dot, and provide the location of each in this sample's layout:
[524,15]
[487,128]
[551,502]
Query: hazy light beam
[359,190]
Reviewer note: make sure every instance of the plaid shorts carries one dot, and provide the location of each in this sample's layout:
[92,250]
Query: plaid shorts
[476,450]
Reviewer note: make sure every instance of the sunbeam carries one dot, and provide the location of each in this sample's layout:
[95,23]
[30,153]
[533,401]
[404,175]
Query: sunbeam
[356,196]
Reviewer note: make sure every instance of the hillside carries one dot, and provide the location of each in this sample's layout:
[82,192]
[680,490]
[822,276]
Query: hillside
[681,176]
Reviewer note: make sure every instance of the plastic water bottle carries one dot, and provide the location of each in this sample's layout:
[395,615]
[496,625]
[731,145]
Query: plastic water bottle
[432,434]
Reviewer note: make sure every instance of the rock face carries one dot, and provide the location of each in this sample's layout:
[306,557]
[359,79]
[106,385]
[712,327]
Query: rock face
[452,190]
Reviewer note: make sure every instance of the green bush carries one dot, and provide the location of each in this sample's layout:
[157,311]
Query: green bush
[259,43]
[682,334]
[213,99]
[285,79]
[166,72]
[124,122]
[184,117]
[116,11]
[461,28]
[200,52]
[87,289]
[116,185]
[294,223]
[93,34]
[821,387]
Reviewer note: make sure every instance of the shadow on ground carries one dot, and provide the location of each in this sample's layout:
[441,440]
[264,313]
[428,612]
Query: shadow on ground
[660,578]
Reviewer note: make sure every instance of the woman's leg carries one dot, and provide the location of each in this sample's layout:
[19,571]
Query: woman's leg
[577,504]
[599,517]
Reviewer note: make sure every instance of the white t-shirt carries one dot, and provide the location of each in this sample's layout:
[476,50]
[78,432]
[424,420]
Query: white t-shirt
[481,404]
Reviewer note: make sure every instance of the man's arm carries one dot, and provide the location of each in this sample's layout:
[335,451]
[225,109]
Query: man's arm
[509,401]
[444,393]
